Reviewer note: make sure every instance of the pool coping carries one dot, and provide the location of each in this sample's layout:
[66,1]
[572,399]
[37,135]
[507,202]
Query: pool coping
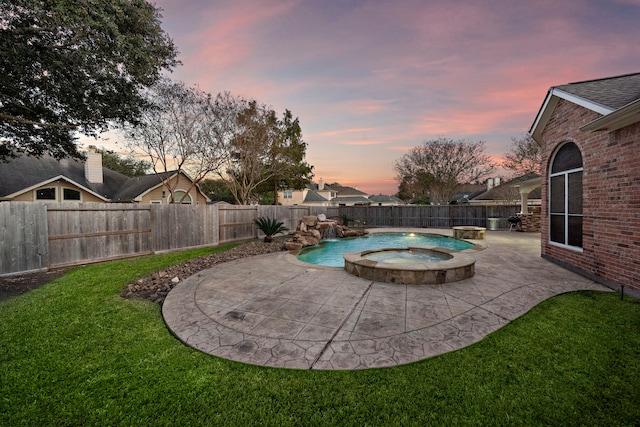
[478,244]
[458,267]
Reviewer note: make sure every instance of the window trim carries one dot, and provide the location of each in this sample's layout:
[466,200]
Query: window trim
[191,202]
[70,200]
[566,215]
[55,198]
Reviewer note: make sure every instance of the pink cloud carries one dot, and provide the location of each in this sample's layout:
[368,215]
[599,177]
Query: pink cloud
[370,80]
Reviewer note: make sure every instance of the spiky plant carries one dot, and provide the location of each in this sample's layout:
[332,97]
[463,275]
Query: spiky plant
[270,227]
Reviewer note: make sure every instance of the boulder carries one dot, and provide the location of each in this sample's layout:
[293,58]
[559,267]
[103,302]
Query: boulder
[290,245]
[309,220]
[324,225]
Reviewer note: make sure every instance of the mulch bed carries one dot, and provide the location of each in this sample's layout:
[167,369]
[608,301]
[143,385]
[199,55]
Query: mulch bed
[153,288]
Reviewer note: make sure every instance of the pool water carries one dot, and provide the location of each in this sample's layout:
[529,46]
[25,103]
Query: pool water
[330,252]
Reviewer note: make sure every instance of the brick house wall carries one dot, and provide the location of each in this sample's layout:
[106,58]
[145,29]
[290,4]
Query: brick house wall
[611,197]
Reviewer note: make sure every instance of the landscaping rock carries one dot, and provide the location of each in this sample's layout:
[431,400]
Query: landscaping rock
[156,287]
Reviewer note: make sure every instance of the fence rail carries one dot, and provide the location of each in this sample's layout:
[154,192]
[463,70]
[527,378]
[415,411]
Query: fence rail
[36,236]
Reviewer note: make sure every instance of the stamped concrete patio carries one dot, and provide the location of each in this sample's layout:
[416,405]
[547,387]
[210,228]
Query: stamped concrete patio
[273,310]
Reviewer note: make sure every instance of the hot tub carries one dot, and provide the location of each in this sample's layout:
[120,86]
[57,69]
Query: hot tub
[416,265]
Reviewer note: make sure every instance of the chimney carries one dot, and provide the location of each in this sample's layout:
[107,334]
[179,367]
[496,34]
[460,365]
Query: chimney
[489,183]
[321,184]
[93,166]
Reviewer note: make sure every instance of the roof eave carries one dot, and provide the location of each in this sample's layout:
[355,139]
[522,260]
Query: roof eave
[160,184]
[625,116]
[53,179]
[529,184]
[550,103]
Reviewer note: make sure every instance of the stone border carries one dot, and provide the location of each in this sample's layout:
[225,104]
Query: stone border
[458,267]
[469,232]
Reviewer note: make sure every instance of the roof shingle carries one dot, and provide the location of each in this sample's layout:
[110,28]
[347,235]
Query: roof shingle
[612,92]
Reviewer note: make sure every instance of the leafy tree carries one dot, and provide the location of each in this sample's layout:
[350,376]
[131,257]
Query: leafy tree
[127,165]
[412,190]
[177,133]
[75,67]
[216,190]
[438,167]
[288,153]
[259,148]
[525,156]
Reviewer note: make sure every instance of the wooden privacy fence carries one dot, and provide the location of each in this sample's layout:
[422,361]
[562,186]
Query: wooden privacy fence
[36,236]
[493,217]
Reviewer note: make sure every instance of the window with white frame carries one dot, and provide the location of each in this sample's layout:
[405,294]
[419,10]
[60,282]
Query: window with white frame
[565,197]
[178,194]
[287,194]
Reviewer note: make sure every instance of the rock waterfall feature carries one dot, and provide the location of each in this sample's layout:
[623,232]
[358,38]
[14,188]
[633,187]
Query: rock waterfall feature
[311,229]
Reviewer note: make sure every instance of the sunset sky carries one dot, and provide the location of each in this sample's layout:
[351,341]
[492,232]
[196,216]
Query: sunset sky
[371,79]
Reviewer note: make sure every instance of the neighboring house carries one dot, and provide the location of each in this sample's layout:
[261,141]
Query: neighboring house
[313,195]
[382,200]
[323,195]
[524,190]
[589,133]
[349,196]
[45,179]
[468,192]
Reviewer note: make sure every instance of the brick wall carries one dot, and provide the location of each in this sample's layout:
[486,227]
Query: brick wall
[531,221]
[611,197]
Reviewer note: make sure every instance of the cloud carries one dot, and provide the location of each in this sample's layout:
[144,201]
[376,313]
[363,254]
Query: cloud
[370,80]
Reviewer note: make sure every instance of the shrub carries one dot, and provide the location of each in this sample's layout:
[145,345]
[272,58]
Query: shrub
[345,219]
[270,227]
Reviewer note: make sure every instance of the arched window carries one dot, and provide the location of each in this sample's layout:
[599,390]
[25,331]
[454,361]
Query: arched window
[178,195]
[565,197]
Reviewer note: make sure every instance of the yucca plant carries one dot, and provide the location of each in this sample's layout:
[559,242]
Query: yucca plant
[270,227]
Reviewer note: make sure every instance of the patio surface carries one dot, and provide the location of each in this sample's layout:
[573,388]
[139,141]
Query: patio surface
[274,310]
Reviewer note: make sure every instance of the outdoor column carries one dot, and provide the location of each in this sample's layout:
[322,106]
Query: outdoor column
[524,201]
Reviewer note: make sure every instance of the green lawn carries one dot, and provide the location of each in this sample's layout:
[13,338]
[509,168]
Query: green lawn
[73,352]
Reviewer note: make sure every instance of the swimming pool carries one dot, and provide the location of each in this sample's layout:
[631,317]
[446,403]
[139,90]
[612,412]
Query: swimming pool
[330,252]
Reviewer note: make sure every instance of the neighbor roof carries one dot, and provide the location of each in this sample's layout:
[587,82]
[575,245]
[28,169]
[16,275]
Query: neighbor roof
[348,191]
[313,196]
[351,200]
[616,98]
[26,172]
[498,193]
[381,198]
[23,172]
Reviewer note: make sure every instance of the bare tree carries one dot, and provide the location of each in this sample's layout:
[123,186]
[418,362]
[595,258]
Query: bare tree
[525,156]
[438,167]
[178,134]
